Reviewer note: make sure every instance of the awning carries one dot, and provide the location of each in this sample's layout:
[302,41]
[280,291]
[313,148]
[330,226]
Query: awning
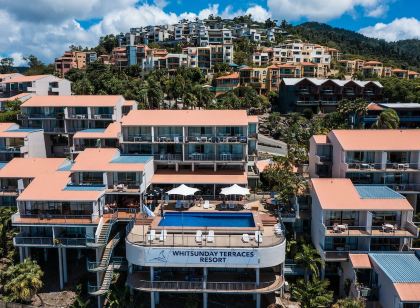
[234,190]
[360,261]
[183,190]
[222,178]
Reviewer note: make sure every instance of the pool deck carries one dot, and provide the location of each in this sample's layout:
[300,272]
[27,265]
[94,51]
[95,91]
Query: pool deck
[227,237]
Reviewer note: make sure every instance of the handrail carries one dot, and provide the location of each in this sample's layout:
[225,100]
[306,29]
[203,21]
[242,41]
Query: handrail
[201,285]
[190,240]
[46,218]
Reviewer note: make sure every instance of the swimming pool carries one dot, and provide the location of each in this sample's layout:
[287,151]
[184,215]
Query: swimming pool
[200,219]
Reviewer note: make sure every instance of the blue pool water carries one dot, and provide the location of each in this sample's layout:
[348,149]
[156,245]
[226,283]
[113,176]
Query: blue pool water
[190,219]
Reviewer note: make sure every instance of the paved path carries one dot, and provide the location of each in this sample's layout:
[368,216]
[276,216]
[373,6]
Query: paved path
[265,140]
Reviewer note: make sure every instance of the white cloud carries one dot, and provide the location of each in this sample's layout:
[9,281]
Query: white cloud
[379,11]
[398,29]
[321,10]
[258,13]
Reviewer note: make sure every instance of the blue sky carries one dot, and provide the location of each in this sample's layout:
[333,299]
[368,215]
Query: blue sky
[47,27]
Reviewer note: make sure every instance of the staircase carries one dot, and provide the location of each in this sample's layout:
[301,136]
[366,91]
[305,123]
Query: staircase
[104,233]
[106,282]
[102,265]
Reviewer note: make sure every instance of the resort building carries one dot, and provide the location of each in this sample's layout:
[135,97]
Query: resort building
[213,143]
[385,157]
[297,94]
[226,83]
[79,209]
[5,77]
[19,142]
[408,113]
[231,255]
[74,59]
[97,138]
[62,116]
[390,279]
[348,218]
[36,84]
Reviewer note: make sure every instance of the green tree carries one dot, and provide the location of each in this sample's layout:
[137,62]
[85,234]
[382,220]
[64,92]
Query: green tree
[388,119]
[83,87]
[281,178]
[21,281]
[154,94]
[311,261]
[354,110]
[37,67]
[349,303]
[312,294]
[6,65]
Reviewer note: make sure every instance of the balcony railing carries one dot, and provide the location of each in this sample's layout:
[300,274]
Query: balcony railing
[139,138]
[199,157]
[230,157]
[11,149]
[190,240]
[103,116]
[78,116]
[43,115]
[169,138]
[382,166]
[216,287]
[308,103]
[46,218]
[27,240]
[167,156]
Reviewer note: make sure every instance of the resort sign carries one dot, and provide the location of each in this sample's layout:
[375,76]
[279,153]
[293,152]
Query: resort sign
[201,257]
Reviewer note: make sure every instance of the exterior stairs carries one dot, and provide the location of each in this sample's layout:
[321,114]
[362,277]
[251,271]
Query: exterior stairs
[102,265]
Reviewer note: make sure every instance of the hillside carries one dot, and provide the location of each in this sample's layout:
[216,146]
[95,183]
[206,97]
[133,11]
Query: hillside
[405,54]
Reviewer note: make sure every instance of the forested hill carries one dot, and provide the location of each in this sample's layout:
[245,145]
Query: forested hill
[404,54]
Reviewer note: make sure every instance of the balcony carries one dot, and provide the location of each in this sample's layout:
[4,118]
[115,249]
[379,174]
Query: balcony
[223,284]
[386,230]
[230,157]
[139,138]
[43,115]
[107,116]
[390,166]
[170,138]
[200,157]
[80,116]
[53,219]
[14,149]
[38,241]
[308,103]
[167,156]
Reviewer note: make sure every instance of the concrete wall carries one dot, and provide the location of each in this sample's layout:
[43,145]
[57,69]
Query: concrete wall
[36,144]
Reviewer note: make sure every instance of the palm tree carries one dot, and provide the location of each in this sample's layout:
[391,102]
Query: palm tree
[312,294]
[353,109]
[311,261]
[388,119]
[21,281]
[349,303]
[190,101]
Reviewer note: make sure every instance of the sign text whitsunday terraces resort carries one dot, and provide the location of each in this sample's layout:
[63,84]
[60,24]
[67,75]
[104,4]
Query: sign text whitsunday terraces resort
[202,256]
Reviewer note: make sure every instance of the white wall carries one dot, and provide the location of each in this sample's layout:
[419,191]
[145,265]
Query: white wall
[36,144]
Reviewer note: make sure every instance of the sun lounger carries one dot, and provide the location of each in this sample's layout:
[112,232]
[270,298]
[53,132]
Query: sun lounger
[258,237]
[178,204]
[245,238]
[151,236]
[163,235]
[206,204]
[223,206]
[199,236]
[210,236]
[232,206]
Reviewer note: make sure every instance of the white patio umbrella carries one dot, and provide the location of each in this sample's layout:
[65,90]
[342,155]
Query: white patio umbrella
[235,190]
[183,190]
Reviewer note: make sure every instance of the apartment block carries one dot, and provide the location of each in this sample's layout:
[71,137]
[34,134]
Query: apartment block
[226,83]
[409,113]
[349,218]
[391,279]
[36,84]
[374,157]
[5,77]
[19,142]
[61,117]
[297,94]
[74,59]
[215,143]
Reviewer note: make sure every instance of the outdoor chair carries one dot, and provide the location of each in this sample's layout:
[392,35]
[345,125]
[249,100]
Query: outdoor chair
[199,236]
[210,236]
